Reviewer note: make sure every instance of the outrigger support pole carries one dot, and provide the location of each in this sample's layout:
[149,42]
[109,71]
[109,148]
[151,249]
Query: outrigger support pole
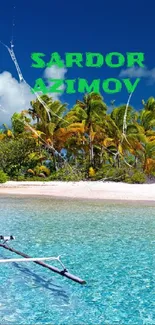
[64,272]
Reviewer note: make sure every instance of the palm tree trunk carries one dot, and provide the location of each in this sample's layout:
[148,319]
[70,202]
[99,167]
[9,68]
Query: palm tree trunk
[135,163]
[91,153]
[101,155]
[118,162]
[55,162]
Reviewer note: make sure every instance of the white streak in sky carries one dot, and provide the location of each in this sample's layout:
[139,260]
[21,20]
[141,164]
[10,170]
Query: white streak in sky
[22,80]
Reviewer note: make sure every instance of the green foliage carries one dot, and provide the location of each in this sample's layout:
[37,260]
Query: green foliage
[37,179]
[36,171]
[111,173]
[138,178]
[18,123]
[14,154]
[21,178]
[118,115]
[95,144]
[67,174]
[3,177]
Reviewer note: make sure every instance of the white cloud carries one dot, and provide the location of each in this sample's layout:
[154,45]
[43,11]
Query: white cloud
[55,73]
[16,96]
[138,72]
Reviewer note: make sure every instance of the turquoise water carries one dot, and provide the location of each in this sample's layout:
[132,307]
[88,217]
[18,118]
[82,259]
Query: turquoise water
[110,246]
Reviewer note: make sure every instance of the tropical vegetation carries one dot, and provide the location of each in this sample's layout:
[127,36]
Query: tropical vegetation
[50,141]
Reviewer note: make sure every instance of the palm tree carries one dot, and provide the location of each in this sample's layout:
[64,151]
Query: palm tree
[48,123]
[37,109]
[149,162]
[130,143]
[89,113]
[149,105]
[147,123]
[147,115]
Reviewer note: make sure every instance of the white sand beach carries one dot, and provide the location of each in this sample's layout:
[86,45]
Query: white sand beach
[82,190]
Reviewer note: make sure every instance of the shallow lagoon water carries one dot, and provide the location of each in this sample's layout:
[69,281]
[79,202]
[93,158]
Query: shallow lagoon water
[111,246]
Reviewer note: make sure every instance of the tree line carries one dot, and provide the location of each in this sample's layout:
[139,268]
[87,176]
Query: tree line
[85,142]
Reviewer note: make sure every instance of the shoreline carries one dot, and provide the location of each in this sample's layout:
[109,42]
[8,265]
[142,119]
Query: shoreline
[135,203]
[98,191]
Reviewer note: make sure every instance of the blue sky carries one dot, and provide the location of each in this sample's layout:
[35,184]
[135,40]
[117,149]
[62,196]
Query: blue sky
[82,26]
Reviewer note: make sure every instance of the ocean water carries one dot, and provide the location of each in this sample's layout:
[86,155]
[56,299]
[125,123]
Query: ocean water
[111,246]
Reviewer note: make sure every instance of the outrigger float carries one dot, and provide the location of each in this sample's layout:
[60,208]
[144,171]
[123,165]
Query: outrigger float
[37,260]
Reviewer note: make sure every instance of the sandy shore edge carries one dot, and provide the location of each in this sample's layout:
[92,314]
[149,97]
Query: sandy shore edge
[82,190]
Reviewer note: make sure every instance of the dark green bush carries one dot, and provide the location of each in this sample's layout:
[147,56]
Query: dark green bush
[67,174]
[21,178]
[3,177]
[110,173]
[138,178]
[37,179]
